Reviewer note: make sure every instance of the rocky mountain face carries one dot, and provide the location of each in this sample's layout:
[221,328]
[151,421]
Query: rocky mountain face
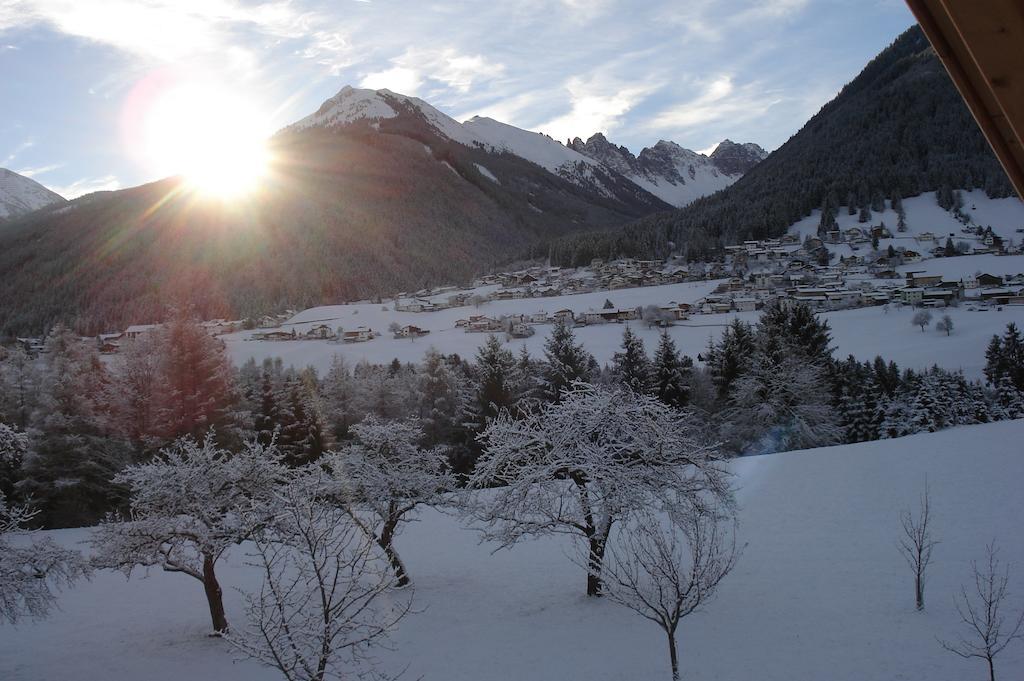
[20,195]
[676,175]
[734,158]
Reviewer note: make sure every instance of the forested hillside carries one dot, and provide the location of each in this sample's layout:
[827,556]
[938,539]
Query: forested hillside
[898,129]
[346,214]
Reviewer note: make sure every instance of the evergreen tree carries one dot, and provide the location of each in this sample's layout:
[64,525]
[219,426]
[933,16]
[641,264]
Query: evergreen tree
[439,404]
[68,470]
[566,361]
[671,374]
[197,390]
[799,328]
[730,357]
[340,399]
[496,370]
[631,366]
[267,417]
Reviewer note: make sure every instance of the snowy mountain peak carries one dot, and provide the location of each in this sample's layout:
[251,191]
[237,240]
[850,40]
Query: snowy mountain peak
[20,195]
[354,104]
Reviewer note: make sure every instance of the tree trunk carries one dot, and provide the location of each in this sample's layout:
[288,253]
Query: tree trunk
[595,560]
[991,670]
[919,588]
[387,533]
[214,597]
[673,656]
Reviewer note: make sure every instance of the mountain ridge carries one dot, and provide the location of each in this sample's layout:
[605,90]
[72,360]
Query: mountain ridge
[20,195]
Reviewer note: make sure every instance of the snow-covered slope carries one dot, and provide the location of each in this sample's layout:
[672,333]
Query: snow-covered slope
[20,195]
[1005,217]
[820,592]
[533,146]
[675,175]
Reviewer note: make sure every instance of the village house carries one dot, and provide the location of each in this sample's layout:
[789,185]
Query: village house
[136,330]
[275,335]
[357,335]
[320,332]
[410,331]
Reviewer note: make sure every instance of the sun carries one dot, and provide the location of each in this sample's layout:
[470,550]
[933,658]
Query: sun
[213,138]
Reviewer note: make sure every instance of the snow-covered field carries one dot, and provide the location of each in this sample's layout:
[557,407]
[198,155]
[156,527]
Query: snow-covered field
[821,591]
[864,332]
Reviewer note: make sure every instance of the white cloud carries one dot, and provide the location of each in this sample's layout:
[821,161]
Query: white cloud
[722,104]
[86,185]
[596,105]
[397,79]
[40,170]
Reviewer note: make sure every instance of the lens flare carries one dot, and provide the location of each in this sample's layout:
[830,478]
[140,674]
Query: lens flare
[213,138]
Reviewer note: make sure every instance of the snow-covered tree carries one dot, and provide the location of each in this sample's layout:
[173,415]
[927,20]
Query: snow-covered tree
[945,324]
[671,374]
[386,472]
[19,387]
[325,602]
[188,506]
[730,357]
[438,399]
[32,572]
[579,466]
[782,403]
[13,448]
[135,384]
[631,366]
[341,402]
[667,571]
[921,318]
[566,361]
[68,470]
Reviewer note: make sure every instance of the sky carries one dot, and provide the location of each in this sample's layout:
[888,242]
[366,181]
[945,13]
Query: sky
[75,75]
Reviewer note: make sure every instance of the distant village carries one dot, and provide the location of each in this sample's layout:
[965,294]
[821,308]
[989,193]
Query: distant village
[753,274]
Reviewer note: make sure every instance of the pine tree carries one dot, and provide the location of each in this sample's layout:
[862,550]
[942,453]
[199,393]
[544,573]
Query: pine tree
[565,362]
[267,418]
[439,405]
[671,374]
[197,390]
[339,399]
[730,358]
[496,368]
[73,458]
[631,366]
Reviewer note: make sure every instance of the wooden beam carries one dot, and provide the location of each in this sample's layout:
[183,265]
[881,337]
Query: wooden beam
[981,44]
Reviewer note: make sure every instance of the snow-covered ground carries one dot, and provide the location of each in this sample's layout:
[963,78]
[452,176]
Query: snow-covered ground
[863,332]
[821,591]
[601,340]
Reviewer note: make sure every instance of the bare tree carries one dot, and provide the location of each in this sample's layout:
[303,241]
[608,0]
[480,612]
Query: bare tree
[917,543]
[666,572]
[922,318]
[988,631]
[31,573]
[945,324]
[321,609]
